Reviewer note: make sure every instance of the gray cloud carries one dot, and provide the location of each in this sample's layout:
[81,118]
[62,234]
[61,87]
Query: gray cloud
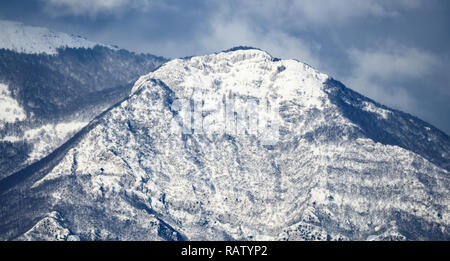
[392,61]
[305,14]
[401,77]
[93,7]
[278,43]
[378,73]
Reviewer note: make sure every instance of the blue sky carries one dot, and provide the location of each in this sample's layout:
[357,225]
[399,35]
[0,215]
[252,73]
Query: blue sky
[395,52]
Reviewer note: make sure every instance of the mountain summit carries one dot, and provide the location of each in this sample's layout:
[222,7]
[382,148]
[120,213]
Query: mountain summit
[238,145]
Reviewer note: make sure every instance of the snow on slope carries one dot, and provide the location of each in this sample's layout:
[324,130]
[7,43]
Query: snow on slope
[324,178]
[46,138]
[34,40]
[47,229]
[10,110]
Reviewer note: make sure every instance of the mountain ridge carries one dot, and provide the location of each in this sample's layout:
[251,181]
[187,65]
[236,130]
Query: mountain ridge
[21,38]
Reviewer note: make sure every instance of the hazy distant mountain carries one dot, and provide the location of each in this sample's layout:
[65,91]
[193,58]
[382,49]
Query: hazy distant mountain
[320,162]
[52,84]
[21,38]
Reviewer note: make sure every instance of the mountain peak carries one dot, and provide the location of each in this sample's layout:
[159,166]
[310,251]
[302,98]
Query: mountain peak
[236,65]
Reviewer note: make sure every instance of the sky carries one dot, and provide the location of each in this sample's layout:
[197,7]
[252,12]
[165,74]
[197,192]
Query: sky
[395,52]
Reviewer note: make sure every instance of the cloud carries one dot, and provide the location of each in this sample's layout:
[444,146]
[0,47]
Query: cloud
[235,32]
[274,25]
[284,13]
[92,8]
[224,33]
[392,61]
[330,12]
[308,13]
[385,72]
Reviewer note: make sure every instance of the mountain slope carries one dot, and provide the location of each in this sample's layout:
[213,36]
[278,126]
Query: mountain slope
[338,165]
[52,85]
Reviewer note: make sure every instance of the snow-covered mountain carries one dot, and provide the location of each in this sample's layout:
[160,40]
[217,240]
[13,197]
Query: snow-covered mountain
[52,85]
[320,162]
[21,38]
